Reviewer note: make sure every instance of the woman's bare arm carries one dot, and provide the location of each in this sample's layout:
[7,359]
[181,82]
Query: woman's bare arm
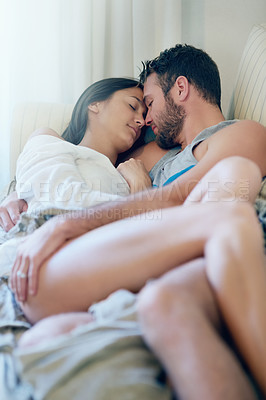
[10,210]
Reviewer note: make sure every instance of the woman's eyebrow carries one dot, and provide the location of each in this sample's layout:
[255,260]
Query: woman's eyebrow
[141,102]
[135,97]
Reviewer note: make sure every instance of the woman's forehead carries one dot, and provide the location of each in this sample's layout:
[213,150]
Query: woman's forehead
[133,91]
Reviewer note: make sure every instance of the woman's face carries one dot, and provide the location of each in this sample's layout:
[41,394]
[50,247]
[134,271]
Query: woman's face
[122,117]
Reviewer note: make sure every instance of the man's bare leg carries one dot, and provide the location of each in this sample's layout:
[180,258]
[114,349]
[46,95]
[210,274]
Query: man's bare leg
[181,324]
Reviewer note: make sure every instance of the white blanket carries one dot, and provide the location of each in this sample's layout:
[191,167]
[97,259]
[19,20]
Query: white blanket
[54,173]
[103,360]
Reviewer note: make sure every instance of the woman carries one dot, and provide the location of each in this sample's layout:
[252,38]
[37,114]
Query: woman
[107,118]
[79,171]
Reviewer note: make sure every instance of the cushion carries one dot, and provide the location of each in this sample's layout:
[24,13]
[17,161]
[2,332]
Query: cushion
[249,99]
[27,117]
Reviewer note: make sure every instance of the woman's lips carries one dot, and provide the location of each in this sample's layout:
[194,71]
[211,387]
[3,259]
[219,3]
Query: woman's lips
[136,130]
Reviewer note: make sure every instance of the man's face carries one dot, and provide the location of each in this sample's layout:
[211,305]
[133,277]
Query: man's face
[165,117]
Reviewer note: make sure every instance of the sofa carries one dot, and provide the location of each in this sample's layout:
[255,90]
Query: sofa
[248,99]
[83,365]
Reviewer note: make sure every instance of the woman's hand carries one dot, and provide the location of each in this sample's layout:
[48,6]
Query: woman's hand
[135,174]
[35,249]
[10,210]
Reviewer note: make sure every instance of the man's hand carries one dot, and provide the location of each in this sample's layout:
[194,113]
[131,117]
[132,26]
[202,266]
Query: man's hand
[38,247]
[135,174]
[10,210]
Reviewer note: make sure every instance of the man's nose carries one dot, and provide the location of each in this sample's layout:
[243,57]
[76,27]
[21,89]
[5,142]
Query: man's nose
[148,119]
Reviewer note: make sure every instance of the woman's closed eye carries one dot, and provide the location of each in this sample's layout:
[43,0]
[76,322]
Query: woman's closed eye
[132,107]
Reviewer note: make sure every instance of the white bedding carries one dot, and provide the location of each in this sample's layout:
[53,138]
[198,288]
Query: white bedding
[103,360]
[54,173]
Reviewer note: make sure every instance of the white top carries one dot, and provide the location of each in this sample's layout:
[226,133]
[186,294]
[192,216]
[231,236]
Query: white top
[54,173]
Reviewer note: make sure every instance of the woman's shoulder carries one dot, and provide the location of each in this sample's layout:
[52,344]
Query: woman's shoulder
[45,131]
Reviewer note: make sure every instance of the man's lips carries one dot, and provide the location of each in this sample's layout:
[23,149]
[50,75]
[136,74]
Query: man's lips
[155,129]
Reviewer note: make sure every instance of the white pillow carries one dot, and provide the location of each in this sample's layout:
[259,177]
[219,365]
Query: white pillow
[249,96]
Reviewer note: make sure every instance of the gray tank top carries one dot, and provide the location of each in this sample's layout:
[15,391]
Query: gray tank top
[176,162]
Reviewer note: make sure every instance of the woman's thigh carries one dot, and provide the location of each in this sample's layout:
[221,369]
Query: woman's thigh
[124,254]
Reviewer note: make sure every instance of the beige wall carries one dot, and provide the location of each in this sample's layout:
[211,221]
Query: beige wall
[221,27]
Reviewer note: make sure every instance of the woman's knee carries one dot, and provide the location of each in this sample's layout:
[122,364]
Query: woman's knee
[240,176]
[239,166]
[233,178]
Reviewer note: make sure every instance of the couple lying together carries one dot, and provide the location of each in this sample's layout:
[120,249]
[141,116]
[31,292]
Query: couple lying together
[202,251]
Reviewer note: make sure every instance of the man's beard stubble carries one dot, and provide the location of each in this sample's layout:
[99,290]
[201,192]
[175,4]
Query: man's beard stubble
[170,124]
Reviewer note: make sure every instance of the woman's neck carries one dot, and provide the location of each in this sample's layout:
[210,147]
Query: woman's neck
[97,143]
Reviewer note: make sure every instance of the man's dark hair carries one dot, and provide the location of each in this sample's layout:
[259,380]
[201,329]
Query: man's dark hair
[184,60]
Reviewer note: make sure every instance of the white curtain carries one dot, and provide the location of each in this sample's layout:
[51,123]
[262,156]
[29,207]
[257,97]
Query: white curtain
[51,50]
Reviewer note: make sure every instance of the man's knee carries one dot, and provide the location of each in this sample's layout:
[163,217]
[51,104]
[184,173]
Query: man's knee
[158,306]
[154,301]
[162,305]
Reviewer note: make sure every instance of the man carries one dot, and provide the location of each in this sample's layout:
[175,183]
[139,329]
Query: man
[187,111]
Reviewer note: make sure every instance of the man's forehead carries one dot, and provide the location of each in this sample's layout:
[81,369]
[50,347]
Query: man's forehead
[150,85]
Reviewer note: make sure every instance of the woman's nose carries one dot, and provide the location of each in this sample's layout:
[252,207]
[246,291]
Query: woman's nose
[140,121]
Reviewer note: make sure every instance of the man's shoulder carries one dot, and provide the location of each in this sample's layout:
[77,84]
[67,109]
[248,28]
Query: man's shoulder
[244,138]
[239,131]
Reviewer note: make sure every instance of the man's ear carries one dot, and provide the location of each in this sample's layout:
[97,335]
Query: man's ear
[181,88]
[94,107]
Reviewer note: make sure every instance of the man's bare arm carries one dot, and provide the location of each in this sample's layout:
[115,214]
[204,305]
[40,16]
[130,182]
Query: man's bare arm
[245,138]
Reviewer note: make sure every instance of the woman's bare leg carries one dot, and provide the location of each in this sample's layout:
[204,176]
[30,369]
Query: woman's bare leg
[231,179]
[236,270]
[126,253]
[53,326]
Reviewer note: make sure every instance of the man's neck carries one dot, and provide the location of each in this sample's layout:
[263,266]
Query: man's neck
[196,122]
